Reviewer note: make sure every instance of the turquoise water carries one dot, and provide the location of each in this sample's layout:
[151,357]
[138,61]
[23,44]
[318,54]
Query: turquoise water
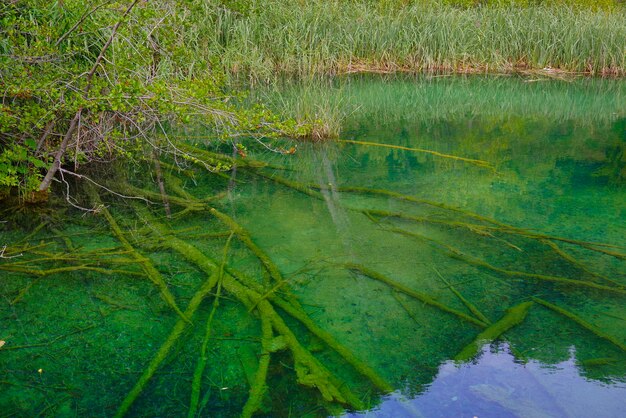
[402,256]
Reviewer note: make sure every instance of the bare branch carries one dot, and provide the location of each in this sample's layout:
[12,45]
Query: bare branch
[2,251]
[83,177]
[81,20]
[45,183]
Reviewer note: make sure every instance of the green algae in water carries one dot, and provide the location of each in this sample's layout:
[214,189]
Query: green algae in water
[295,330]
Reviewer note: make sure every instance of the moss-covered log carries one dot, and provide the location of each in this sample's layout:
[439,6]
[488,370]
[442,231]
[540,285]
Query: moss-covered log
[166,347]
[469,305]
[250,293]
[202,359]
[514,316]
[580,321]
[413,293]
[458,254]
[151,272]
[259,388]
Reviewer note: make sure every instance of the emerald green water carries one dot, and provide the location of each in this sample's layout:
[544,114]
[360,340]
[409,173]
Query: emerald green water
[76,342]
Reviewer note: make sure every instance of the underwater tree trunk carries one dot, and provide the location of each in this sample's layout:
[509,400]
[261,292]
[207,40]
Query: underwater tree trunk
[514,316]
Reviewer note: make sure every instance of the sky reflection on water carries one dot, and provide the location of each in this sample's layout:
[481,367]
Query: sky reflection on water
[496,385]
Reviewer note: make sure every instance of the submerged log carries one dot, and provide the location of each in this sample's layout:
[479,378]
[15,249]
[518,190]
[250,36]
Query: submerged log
[469,305]
[458,254]
[577,263]
[202,358]
[165,348]
[514,316]
[249,293]
[413,293]
[258,388]
[479,163]
[147,266]
[244,237]
[595,330]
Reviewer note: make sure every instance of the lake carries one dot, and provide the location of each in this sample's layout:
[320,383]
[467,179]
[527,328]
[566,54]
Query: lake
[459,251]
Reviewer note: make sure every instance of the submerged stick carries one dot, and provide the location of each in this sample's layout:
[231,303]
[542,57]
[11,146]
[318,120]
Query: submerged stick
[176,186]
[69,269]
[50,342]
[202,359]
[244,237]
[577,263]
[407,198]
[396,295]
[23,291]
[147,266]
[165,348]
[413,293]
[514,316]
[479,163]
[593,246]
[473,309]
[66,240]
[302,188]
[189,205]
[582,323]
[483,230]
[500,226]
[33,232]
[458,254]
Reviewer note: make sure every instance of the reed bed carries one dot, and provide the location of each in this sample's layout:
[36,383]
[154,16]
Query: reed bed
[331,37]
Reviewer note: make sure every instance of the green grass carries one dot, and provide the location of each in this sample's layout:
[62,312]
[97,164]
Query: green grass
[330,37]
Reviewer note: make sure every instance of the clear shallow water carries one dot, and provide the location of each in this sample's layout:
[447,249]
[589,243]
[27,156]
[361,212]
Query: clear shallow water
[557,172]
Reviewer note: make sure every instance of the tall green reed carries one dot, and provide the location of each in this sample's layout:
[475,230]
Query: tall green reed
[329,37]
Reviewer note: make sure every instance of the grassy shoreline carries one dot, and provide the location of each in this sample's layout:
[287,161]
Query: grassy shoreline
[329,37]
